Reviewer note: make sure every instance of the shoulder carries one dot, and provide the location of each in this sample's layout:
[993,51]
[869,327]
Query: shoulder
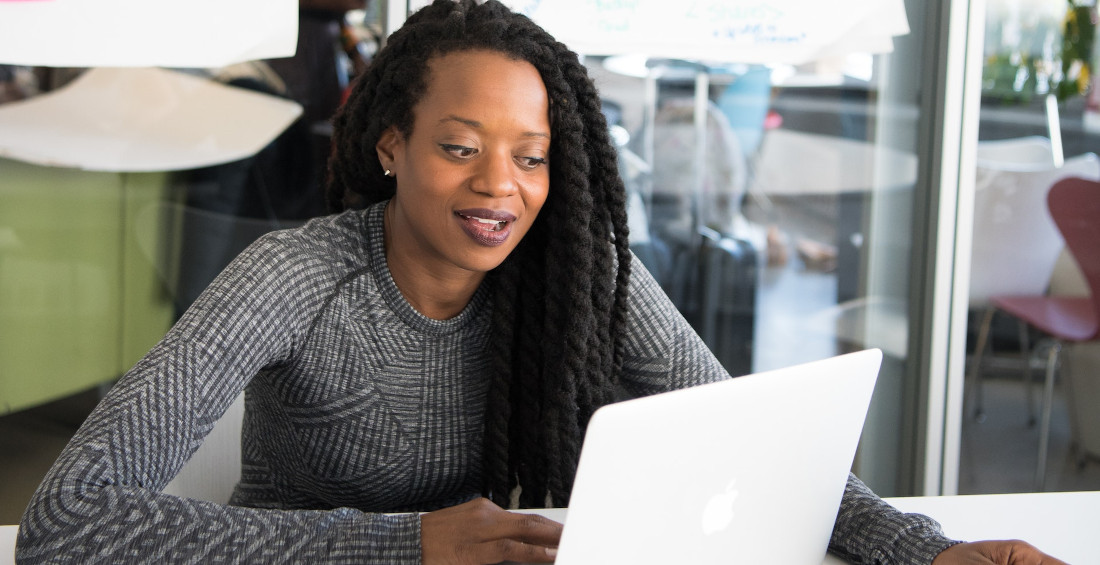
[651,319]
[649,305]
[335,244]
[295,264]
[661,349]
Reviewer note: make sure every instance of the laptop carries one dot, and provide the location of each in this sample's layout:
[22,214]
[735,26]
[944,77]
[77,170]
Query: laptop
[748,470]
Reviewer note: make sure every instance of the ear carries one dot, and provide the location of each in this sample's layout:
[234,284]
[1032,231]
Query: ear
[388,147]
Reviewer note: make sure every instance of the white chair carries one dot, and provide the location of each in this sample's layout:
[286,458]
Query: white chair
[1080,367]
[215,468]
[1015,243]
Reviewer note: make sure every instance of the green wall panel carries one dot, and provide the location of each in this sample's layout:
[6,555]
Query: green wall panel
[76,300]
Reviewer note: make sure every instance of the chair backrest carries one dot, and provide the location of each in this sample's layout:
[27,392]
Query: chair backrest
[1015,242]
[1067,280]
[1019,153]
[1075,206]
[215,468]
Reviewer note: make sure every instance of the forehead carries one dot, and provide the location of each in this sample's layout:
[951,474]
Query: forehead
[482,83]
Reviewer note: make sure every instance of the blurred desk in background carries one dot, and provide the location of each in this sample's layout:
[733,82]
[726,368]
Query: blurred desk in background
[797,163]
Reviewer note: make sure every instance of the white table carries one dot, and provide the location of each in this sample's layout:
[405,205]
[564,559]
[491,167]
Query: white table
[1062,524]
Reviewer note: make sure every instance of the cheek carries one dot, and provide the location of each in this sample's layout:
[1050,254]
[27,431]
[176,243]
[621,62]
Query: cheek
[431,186]
[536,194]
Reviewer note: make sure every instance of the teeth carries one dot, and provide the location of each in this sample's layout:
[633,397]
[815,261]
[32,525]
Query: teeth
[497,224]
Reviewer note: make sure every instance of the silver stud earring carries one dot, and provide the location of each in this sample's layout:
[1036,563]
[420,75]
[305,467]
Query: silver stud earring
[388,173]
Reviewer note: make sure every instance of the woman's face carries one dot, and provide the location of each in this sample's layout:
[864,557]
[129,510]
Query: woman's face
[473,174]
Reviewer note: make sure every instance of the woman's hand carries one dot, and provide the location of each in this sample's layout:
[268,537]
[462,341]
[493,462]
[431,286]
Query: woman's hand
[480,532]
[1012,552]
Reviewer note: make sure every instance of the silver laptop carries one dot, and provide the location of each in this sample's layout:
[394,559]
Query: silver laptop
[749,470]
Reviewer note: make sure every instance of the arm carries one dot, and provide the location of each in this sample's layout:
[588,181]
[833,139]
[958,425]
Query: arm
[869,530]
[662,352]
[101,500]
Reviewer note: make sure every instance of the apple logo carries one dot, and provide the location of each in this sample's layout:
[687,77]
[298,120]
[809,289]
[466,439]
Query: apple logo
[718,513]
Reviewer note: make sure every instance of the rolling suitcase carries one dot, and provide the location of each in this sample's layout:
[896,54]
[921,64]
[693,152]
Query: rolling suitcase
[727,299]
[713,283]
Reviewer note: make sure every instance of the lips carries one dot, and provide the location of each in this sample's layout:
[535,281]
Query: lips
[486,227]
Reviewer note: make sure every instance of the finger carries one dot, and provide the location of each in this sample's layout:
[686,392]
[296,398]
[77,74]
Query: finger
[1016,552]
[494,522]
[513,550]
[529,528]
[1027,554]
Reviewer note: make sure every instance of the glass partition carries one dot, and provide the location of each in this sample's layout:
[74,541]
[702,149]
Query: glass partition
[775,203]
[1038,124]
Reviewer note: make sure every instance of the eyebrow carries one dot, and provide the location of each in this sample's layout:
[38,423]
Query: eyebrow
[477,125]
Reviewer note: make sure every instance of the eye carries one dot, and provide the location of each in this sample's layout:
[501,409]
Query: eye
[460,151]
[530,163]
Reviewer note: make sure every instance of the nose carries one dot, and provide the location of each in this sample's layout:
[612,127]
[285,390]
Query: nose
[495,175]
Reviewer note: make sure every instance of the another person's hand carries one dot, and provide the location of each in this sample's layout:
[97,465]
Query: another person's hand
[1013,552]
[480,532]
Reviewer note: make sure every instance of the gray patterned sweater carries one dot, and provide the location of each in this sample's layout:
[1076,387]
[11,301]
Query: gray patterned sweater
[356,405]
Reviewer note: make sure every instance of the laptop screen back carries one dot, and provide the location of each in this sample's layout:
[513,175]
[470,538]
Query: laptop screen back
[749,470]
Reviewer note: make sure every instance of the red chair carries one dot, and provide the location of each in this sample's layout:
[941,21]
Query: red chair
[1012,227]
[1074,205]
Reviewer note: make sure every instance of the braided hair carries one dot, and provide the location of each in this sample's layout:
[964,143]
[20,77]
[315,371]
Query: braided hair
[560,296]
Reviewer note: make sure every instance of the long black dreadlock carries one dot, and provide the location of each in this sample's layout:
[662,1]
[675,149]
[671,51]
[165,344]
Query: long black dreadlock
[560,297]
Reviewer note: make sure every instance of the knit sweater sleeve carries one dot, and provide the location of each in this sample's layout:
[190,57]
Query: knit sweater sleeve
[869,530]
[101,502]
[664,353]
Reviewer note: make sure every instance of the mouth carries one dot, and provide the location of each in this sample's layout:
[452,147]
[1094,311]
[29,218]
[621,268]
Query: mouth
[487,227]
[485,223]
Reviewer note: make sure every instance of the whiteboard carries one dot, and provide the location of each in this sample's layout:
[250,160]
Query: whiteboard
[729,31]
[141,33]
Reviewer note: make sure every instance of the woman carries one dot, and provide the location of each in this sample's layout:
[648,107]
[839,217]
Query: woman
[440,344]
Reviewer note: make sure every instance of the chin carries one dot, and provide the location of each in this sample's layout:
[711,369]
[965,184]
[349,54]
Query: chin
[475,262]
[483,259]
[486,265]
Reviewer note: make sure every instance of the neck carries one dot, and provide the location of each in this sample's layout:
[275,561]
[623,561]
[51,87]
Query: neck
[437,291]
